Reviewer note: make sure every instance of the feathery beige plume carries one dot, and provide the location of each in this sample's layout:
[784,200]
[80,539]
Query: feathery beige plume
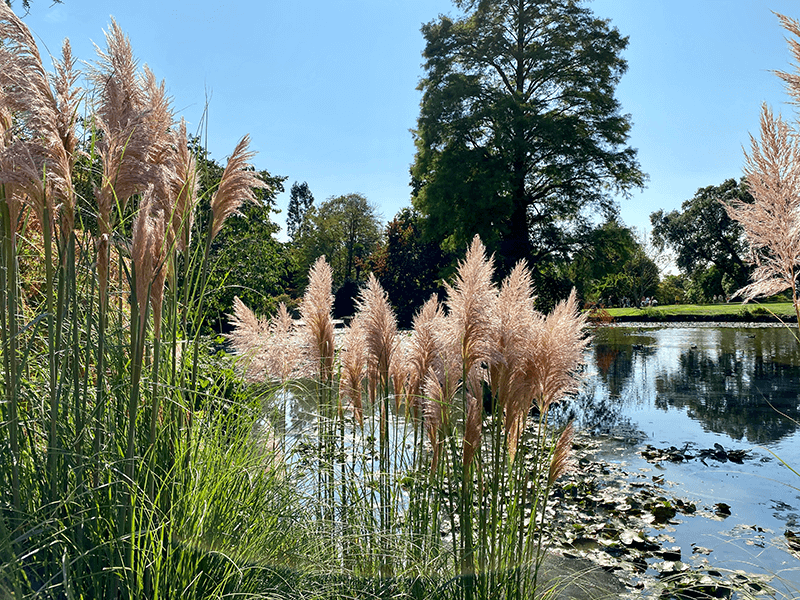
[315,311]
[235,187]
[147,239]
[559,353]
[792,80]
[353,359]
[67,98]
[469,301]
[425,353]
[513,320]
[130,132]
[270,346]
[548,369]
[283,349]
[121,114]
[185,189]
[249,338]
[560,462]
[771,223]
[50,117]
[379,326]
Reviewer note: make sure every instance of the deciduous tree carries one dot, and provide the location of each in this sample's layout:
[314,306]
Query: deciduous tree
[519,132]
[702,234]
[407,267]
[346,230]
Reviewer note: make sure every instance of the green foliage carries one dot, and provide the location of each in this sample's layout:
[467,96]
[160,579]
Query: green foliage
[519,135]
[704,285]
[346,230]
[671,290]
[407,267]
[300,202]
[613,263]
[702,235]
[245,259]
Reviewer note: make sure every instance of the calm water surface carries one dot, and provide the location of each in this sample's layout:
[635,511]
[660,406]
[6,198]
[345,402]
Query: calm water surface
[679,385]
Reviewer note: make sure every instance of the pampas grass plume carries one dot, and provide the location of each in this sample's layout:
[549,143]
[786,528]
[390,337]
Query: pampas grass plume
[315,310]
[560,462]
[771,223]
[353,359]
[470,300]
[379,326]
[235,186]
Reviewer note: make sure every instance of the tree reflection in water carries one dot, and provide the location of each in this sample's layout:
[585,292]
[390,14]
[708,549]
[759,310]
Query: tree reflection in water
[734,381]
[740,387]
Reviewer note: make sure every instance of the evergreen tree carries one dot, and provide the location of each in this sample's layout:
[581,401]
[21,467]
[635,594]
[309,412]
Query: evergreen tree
[300,202]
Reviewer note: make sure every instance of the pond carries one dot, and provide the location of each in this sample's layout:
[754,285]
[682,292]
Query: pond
[699,390]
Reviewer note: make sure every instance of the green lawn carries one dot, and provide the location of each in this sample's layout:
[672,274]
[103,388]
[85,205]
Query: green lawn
[708,311]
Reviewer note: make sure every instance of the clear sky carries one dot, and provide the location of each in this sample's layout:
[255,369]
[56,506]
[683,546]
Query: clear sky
[327,88]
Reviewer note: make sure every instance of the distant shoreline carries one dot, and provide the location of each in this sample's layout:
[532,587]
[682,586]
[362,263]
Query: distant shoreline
[777,312]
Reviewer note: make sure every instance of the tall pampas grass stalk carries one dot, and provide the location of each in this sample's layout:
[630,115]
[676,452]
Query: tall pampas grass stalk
[485,476]
[41,167]
[379,325]
[235,187]
[105,521]
[772,222]
[315,312]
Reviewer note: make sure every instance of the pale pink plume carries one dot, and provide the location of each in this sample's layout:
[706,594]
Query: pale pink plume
[513,320]
[379,326]
[792,80]
[425,352]
[249,338]
[120,112]
[560,461]
[771,223]
[549,369]
[353,360]
[470,300]
[147,241]
[235,187]
[315,311]
[48,115]
[184,189]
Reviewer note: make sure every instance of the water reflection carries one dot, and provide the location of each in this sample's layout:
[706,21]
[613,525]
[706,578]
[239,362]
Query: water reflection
[733,381]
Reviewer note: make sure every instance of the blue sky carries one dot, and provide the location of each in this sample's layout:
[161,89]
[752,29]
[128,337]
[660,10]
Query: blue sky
[327,88]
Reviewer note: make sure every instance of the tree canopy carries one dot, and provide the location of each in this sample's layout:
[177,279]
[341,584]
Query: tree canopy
[300,202]
[519,132]
[407,267]
[613,262]
[703,235]
[346,230]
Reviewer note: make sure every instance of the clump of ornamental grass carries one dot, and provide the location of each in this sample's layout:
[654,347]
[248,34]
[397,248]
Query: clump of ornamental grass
[441,471]
[119,477]
[771,223]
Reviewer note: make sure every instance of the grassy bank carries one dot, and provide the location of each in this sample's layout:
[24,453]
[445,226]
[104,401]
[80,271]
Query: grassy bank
[753,312]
